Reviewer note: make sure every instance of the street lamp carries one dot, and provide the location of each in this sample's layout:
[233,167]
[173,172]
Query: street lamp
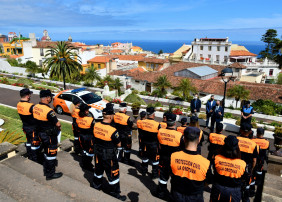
[63,59]
[226,79]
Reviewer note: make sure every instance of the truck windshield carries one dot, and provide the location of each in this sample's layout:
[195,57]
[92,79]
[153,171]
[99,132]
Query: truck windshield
[91,98]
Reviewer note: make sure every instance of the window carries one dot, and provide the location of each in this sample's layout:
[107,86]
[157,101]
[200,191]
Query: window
[40,63]
[20,51]
[8,50]
[226,48]
[99,66]
[91,98]
[67,97]
[210,48]
[201,47]
[209,56]
[41,52]
[237,70]
[136,81]
[225,58]
[157,65]
[147,65]
[218,48]
[217,58]
[152,66]
[271,72]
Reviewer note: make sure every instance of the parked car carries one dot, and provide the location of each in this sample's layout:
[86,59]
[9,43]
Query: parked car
[62,101]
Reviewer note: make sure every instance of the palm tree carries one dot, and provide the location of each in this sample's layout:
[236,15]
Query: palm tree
[62,61]
[92,75]
[238,92]
[116,84]
[185,87]
[106,80]
[162,84]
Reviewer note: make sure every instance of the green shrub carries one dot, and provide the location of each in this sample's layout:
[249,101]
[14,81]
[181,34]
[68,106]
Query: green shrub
[228,115]
[88,84]
[27,82]
[278,131]
[108,98]
[158,104]
[43,83]
[267,107]
[276,124]
[131,98]
[144,93]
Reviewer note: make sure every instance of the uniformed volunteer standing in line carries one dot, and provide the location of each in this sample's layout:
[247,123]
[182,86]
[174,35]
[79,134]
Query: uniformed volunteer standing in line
[74,109]
[263,154]
[25,109]
[229,172]
[140,131]
[124,125]
[194,122]
[47,128]
[183,126]
[163,123]
[189,169]
[106,139]
[216,142]
[169,142]
[249,153]
[150,129]
[85,126]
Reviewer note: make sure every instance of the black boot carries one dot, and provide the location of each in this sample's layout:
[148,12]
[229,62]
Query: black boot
[162,191]
[155,171]
[86,163]
[28,152]
[144,168]
[97,183]
[127,159]
[115,192]
[50,170]
[76,146]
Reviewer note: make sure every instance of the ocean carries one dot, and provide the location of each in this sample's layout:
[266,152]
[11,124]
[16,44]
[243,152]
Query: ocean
[172,46]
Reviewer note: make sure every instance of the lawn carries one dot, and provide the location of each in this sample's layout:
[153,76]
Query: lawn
[13,123]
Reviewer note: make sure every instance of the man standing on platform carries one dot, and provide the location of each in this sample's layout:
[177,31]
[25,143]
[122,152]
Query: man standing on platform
[209,106]
[196,105]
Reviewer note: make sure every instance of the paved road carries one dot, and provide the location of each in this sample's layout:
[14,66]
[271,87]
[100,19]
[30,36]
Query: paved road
[11,98]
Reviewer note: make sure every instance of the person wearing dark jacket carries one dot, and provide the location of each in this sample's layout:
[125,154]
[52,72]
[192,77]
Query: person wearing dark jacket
[217,115]
[209,106]
[195,105]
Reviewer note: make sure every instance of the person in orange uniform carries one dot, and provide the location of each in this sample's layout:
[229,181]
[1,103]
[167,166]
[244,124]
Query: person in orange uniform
[194,122]
[229,172]
[139,127]
[150,129]
[163,123]
[85,126]
[189,169]
[216,142]
[25,108]
[183,126]
[249,153]
[263,154]
[123,124]
[106,139]
[47,128]
[169,142]
[74,109]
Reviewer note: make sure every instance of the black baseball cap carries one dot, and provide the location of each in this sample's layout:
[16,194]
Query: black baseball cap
[193,119]
[109,110]
[25,91]
[45,93]
[170,117]
[231,142]
[165,114]
[260,131]
[143,114]
[150,110]
[183,120]
[83,107]
[219,127]
[123,104]
[109,105]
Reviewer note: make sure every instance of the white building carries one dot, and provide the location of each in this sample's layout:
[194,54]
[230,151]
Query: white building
[210,50]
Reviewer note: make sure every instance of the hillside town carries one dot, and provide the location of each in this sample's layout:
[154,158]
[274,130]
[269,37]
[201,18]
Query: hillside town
[207,116]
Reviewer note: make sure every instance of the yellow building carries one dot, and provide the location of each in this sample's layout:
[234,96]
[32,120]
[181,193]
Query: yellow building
[14,47]
[153,64]
[178,54]
[136,49]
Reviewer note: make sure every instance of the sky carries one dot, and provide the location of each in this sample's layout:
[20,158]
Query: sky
[240,20]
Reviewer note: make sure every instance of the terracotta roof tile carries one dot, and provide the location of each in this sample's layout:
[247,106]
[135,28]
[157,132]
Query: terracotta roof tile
[213,86]
[238,65]
[116,51]
[155,60]
[241,53]
[101,59]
